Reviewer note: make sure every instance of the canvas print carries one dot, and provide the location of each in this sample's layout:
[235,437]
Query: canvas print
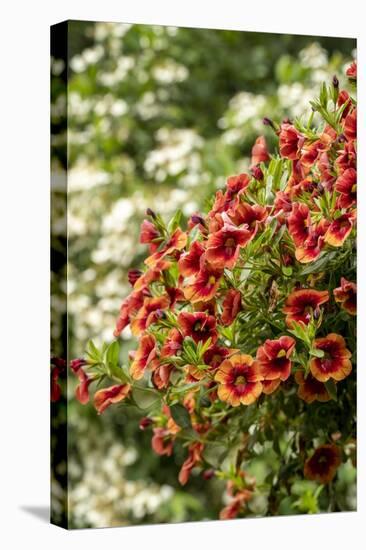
[203,274]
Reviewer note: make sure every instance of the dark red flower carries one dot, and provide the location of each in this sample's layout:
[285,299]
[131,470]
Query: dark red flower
[335,362]
[290,142]
[199,326]
[195,450]
[346,157]
[346,295]
[205,284]
[239,380]
[162,442]
[151,274]
[190,262]
[274,358]
[308,237]
[128,309]
[346,186]
[223,246]
[177,241]
[108,396]
[322,465]
[82,390]
[173,344]
[251,216]
[215,355]
[350,126]
[148,313]
[339,229]
[259,151]
[301,305]
[149,235]
[144,356]
[230,307]
[351,72]
[310,389]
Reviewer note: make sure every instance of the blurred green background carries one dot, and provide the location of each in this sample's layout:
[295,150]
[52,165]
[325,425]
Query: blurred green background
[158,117]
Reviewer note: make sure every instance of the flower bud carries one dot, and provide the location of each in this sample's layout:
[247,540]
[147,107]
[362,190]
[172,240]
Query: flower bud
[151,213]
[208,474]
[335,82]
[145,423]
[257,173]
[133,275]
[76,364]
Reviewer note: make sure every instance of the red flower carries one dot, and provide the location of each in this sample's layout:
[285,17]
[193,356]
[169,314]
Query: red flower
[259,151]
[190,262]
[194,457]
[347,157]
[173,344]
[352,71]
[82,390]
[302,304]
[151,274]
[252,216]
[346,185]
[239,498]
[128,309]
[231,307]
[346,295]
[144,356]
[322,465]
[308,237]
[205,284]
[335,362]
[236,185]
[215,355]
[108,396]
[239,380]
[270,386]
[148,313]
[199,326]
[177,241]
[162,442]
[310,389]
[161,375]
[350,126]
[339,229]
[55,387]
[223,246]
[299,223]
[291,141]
[149,235]
[274,358]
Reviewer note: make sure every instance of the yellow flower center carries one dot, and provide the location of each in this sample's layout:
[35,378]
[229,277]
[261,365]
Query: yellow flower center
[211,280]
[240,381]
[281,353]
[354,188]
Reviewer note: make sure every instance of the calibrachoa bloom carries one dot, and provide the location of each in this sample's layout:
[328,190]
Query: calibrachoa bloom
[104,398]
[199,326]
[346,296]
[322,465]
[301,305]
[244,320]
[239,380]
[274,358]
[310,389]
[335,362]
[224,245]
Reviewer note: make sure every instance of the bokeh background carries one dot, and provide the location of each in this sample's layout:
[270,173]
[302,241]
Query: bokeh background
[158,117]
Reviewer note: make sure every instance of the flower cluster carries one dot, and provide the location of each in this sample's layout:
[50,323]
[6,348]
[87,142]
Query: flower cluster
[252,305]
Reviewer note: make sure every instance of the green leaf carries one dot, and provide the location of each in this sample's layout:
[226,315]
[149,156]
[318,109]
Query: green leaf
[145,398]
[112,354]
[331,389]
[175,221]
[316,352]
[180,415]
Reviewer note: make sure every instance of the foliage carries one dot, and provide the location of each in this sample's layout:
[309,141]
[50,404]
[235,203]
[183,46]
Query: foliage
[246,324]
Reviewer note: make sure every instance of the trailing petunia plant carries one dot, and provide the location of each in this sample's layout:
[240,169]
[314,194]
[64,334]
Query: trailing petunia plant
[245,322]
